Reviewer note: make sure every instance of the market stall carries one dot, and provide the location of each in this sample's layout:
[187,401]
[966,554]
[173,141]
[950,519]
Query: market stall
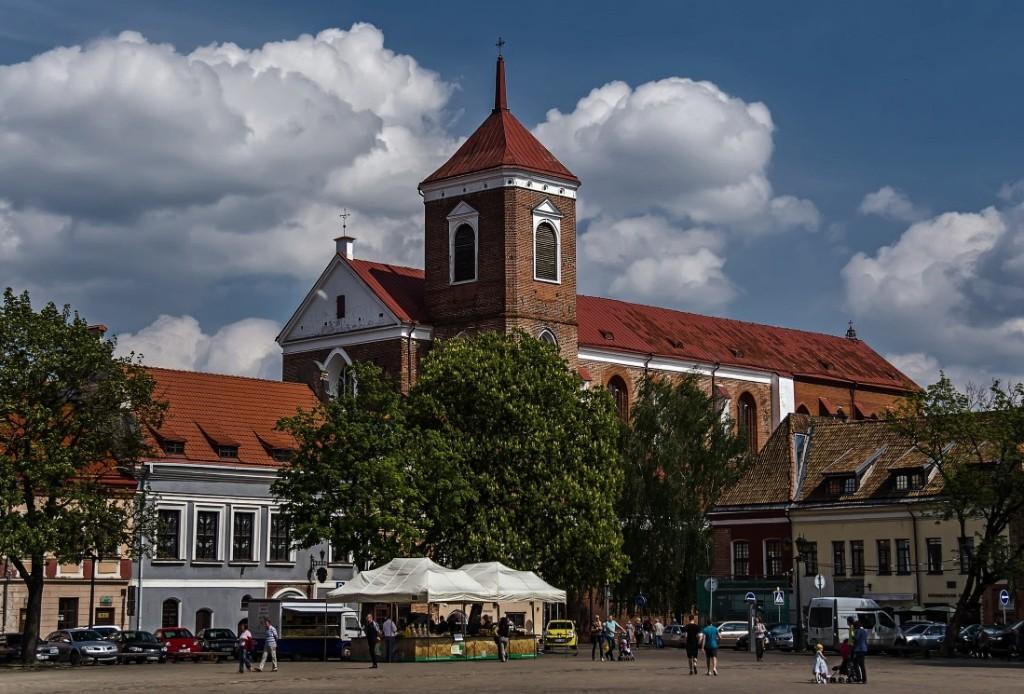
[516,592]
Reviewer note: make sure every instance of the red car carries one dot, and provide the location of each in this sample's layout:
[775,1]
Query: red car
[180,643]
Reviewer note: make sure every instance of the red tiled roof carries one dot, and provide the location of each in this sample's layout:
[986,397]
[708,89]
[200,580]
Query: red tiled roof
[501,140]
[676,334]
[226,408]
[400,288]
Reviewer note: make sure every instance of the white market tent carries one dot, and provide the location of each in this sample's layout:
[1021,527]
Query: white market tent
[412,580]
[509,585]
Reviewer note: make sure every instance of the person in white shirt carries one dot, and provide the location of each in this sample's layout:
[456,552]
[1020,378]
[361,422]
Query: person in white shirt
[659,632]
[390,634]
[269,646]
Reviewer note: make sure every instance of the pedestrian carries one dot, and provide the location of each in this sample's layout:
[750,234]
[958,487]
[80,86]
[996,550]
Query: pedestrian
[390,638]
[693,636]
[820,665]
[631,634]
[659,633]
[860,651]
[597,638]
[269,645]
[372,636]
[245,646]
[611,627]
[504,630]
[710,639]
[760,636]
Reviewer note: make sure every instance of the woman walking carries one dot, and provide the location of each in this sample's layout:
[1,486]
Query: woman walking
[597,639]
[761,636]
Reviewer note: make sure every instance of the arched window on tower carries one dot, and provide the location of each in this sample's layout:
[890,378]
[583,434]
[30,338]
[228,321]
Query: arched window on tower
[548,337]
[746,416]
[337,374]
[617,387]
[464,254]
[545,246]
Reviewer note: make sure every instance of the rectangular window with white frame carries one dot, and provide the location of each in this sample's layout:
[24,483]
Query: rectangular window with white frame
[279,549]
[207,533]
[170,533]
[244,531]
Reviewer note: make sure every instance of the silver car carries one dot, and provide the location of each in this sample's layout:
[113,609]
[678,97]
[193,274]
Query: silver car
[78,646]
[730,632]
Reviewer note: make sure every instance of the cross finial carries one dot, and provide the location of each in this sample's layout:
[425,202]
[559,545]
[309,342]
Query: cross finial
[344,220]
[499,43]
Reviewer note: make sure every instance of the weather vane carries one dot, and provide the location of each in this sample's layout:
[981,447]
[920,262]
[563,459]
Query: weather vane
[344,220]
[500,42]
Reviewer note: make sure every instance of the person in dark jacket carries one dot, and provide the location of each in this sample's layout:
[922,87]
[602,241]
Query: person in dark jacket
[504,631]
[372,637]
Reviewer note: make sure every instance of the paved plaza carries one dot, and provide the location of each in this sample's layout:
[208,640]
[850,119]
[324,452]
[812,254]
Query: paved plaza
[663,671]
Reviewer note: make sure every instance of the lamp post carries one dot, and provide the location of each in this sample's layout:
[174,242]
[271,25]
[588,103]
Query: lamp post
[802,546]
[318,570]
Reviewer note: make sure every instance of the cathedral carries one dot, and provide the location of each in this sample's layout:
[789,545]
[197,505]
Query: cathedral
[500,254]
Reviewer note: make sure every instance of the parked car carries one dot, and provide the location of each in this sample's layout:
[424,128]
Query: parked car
[107,631]
[1005,642]
[78,646]
[730,632]
[180,642]
[782,637]
[139,647]
[11,646]
[923,639]
[675,635]
[560,634]
[219,641]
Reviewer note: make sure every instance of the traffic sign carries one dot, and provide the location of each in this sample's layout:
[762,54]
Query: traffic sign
[819,582]
[640,601]
[780,598]
[1004,597]
[711,584]
[750,597]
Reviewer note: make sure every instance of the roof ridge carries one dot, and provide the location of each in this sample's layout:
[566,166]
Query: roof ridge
[367,261]
[194,372]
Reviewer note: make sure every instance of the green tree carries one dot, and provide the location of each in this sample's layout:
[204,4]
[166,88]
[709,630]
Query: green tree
[517,462]
[975,440]
[350,480]
[71,414]
[680,455]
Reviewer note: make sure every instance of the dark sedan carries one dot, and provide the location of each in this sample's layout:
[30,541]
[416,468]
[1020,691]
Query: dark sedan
[1005,642]
[219,641]
[11,647]
[139,647]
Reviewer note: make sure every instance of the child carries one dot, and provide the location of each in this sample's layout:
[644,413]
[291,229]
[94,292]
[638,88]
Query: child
[820,665]
[846,653]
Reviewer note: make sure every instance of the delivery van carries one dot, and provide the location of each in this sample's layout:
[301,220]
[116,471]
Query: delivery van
[306,628]
[827,622]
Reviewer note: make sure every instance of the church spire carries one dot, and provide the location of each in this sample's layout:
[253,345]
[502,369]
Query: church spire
[500,100]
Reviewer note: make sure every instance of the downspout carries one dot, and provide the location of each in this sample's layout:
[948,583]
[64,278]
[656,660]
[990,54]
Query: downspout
[146,470]
[917,564]
[646,362]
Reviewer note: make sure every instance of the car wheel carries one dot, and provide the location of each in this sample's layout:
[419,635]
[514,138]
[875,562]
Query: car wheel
[75,658]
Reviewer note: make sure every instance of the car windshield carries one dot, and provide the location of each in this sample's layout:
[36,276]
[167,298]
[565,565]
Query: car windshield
[916,629]
[85,635]
[779,628]
[177,634]
[220,634]
[932,631]
[144,636]
[560,625]
[732,626]
[991,630]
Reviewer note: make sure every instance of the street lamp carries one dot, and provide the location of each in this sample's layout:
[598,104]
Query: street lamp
[802,549]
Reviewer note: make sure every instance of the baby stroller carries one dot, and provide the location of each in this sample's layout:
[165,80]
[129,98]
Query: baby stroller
[843,673]
[625,650]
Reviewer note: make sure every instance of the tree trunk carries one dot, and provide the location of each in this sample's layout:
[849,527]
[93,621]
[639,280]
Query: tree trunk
[30,634]
[970,596]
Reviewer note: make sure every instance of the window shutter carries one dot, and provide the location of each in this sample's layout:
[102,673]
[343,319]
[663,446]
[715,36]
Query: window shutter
[546,254]
[464,260]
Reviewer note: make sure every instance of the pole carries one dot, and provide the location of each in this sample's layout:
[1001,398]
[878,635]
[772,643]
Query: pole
[325,628]
[7,583]
[92,589]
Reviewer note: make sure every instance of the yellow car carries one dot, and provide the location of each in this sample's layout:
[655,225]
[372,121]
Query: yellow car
[561,634]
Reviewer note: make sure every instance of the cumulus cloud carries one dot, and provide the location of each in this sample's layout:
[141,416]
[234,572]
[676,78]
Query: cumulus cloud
[949,282]
[892,204]
[243,348]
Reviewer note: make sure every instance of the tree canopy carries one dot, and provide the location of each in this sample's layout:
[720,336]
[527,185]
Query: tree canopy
[975,440]
[680,455]
[71,415]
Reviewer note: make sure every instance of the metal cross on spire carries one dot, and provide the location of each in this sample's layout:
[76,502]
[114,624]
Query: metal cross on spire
[499,43]
[344,221]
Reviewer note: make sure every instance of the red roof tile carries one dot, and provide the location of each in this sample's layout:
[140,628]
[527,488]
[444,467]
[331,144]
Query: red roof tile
[400,288]
[501,140]
[676,334]
[227,408]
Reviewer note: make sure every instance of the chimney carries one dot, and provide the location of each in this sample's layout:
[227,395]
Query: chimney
[345,246]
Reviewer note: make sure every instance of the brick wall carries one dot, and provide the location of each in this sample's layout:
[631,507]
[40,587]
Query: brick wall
[398,358]
[807,392]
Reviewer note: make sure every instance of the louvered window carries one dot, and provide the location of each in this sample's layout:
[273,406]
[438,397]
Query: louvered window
[546,260]
[464,254]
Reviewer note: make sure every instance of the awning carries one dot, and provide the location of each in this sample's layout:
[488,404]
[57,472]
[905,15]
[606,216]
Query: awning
[411,580]
[510,585]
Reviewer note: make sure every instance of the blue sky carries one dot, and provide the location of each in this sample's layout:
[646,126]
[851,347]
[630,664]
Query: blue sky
[922,98]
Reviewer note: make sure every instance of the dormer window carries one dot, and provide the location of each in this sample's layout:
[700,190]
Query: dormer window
[841,486]
[909,481]
[173,447]
[227,451]
[282,455]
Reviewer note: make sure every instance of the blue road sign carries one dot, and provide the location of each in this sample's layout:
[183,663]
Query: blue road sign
[750,597]
[1004,597]
[640,601]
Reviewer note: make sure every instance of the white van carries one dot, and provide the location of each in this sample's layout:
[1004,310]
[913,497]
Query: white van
[827,622]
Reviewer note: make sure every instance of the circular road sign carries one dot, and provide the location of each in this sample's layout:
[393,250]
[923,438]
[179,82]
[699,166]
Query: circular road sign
[1004,597]
[750,597]
[640,601]
[711,584]
[819,582]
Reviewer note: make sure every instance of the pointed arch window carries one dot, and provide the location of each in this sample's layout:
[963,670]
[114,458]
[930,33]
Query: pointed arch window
[617,387]
[746,415]
[545,246]
[464,254]
[548,337]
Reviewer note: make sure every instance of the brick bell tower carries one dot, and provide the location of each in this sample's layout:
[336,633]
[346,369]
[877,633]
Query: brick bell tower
[500,225]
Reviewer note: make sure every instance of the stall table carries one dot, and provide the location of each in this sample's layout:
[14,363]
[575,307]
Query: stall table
[421,649]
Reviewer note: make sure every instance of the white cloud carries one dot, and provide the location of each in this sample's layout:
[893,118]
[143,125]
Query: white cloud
[946,284]
[892,204]
[243,348]
[1012,192]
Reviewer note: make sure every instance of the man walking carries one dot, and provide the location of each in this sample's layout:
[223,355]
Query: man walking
[503,635]
[659,633]
[372,637]
[860,650]
[269,645]
[611,628]
[710,638]
[390,633]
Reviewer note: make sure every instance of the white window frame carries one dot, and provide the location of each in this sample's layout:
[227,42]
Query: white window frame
[764,554]
[463,214]
[291,551]
[547,212]
[221,510]
[255,511]
[347,560]
[182,520]
[178,602]
[732,557]
[548,331]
